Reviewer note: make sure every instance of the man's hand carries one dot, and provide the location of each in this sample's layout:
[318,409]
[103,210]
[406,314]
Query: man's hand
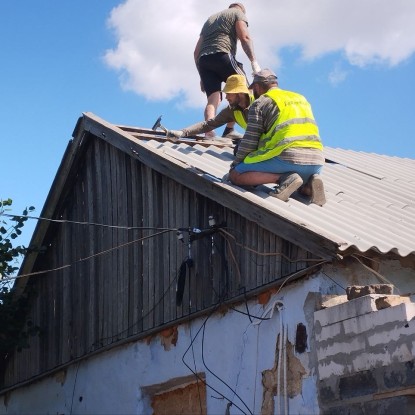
[175,133]
[255,67]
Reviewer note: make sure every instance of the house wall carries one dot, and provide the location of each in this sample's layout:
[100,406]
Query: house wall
[114,260]
[239,356]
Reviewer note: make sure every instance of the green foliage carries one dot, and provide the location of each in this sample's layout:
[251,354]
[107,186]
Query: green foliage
[15,329]
[9,232]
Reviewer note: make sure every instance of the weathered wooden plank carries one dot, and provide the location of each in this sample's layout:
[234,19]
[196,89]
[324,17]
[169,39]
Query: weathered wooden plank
[65,274]
[77,276]
[122,220]
[114,277]
[148,277]
[175,217]
[91,187]
[136,272]
[101,189]
[158,250]
[166,254]
[107,244]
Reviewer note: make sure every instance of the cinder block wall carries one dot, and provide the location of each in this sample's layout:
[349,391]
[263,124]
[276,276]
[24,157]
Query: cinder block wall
[365,350]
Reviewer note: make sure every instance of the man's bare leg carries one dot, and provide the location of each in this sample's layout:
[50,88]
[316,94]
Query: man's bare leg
[210,111]
[252,178]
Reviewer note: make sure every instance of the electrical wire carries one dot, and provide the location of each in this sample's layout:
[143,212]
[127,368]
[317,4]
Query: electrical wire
[269,253]
[332,279]
[216,306]
[102,339]
[87,223]
[85,258]
[217,377]
[74,386]
[194,363]
[380,276]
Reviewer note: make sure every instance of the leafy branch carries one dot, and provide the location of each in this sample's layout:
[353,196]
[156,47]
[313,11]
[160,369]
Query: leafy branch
[15,327]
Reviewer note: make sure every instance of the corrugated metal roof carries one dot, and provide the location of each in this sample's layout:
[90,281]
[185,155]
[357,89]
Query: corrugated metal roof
[370,197]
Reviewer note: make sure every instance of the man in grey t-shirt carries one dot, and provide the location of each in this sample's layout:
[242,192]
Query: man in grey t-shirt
[214,55]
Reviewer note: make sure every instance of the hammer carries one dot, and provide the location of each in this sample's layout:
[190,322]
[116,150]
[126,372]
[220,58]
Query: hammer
[157,124]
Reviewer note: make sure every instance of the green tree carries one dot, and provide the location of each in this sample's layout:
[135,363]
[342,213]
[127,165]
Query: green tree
[15,328]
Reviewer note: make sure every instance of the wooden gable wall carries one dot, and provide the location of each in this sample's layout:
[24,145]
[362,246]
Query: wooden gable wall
[109,284]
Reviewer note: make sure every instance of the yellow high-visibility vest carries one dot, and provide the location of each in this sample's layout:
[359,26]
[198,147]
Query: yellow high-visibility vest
[239,115]
[295,126]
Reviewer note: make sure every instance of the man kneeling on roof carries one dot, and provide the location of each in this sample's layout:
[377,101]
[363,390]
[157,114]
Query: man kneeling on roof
[281,144]
[239,98]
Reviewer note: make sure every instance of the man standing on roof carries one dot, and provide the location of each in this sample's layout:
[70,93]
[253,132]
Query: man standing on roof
[239,98]
[281,143]
[215,52]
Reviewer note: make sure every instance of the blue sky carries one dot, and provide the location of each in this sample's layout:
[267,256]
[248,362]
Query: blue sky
[129,62]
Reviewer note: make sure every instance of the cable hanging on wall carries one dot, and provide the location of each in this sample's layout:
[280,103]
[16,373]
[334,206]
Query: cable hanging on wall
[188,263]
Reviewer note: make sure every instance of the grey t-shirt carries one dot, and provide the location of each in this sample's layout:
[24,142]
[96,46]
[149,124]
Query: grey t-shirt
[219,33]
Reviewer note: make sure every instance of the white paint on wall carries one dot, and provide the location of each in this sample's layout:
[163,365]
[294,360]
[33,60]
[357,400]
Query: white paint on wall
[230,350]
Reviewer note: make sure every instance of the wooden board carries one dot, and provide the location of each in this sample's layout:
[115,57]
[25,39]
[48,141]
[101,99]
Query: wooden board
[161,136]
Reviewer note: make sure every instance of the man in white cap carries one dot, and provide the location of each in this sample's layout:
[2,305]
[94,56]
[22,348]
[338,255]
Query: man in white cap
[239,98]
[281,144]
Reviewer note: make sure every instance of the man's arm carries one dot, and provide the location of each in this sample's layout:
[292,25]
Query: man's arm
[247,45]
[249,142]
[222,118]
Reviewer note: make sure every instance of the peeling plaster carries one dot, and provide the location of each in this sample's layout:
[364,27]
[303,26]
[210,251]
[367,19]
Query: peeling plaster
[295,374]
[169,337]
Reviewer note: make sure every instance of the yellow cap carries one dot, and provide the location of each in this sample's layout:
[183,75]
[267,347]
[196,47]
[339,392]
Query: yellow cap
[236,84]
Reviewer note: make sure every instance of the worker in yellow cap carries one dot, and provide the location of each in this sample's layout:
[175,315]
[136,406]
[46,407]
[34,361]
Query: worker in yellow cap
[239,98]
[281,144]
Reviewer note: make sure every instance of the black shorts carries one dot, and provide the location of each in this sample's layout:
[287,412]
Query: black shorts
[216,68]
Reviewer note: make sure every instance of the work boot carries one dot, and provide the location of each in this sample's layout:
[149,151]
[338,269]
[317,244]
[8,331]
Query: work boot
[287,185]
[314,189]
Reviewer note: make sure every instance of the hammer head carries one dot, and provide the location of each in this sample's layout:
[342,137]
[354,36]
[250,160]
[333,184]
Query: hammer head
[157,124]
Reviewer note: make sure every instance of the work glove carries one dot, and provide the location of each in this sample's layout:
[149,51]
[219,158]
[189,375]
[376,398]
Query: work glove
[175,133]
[255,67]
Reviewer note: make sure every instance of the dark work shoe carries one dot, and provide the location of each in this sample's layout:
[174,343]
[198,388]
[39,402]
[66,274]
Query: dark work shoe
[314,190]
[287,185]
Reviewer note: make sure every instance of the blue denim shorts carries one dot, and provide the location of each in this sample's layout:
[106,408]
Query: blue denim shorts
[278,166]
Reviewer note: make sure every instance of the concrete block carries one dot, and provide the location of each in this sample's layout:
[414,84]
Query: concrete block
[325,370]
[375,320]
[402,331]
[356,385]
[401,353]
[352,345]
[329,332]
[344,311]
[333,300]
[368,360]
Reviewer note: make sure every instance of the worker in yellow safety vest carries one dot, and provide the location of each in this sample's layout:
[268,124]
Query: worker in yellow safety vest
[281,144]
[239,98]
